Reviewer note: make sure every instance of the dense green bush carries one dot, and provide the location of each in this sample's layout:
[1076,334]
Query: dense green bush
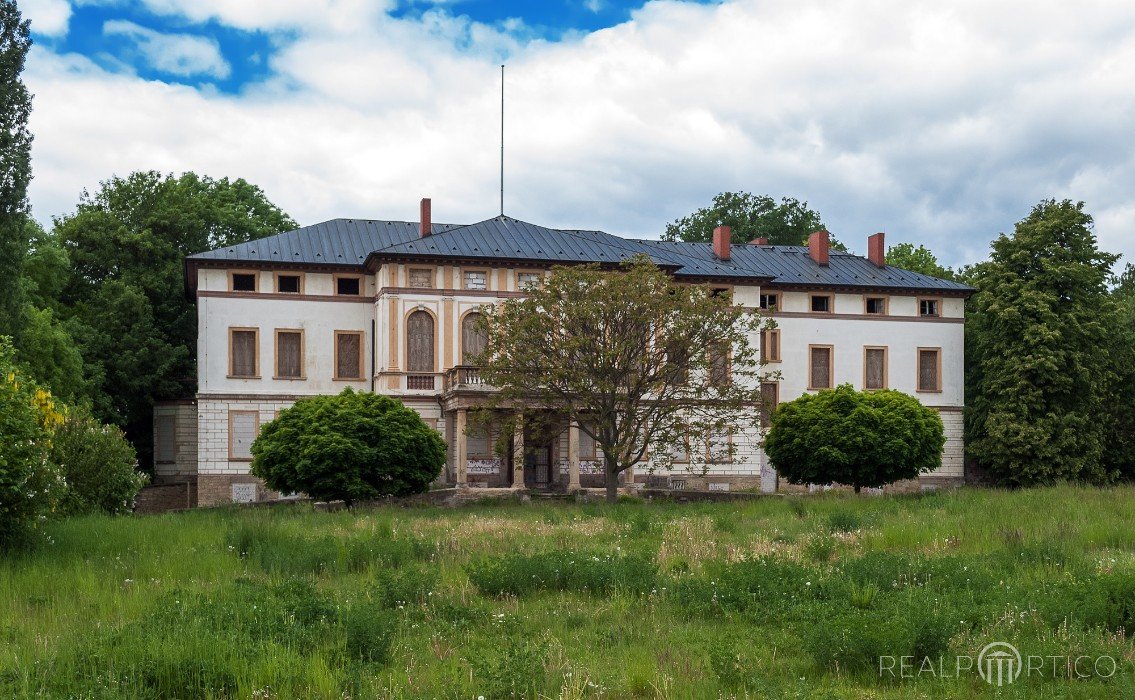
[858,438]
[564,570]
[98,464]
[351,447]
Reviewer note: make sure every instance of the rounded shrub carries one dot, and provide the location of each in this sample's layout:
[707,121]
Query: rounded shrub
[857,438]
[353,446]
[98,464]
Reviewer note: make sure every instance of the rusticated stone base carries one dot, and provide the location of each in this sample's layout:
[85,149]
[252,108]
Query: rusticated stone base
[217,489]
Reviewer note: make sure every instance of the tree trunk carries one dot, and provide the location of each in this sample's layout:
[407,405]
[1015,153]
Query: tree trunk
[612,481]
[857,487]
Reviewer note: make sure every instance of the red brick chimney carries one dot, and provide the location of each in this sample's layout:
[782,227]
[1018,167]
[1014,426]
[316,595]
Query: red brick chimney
[722,238]
[759,241]
[427,224]
[818,247]
[876,250]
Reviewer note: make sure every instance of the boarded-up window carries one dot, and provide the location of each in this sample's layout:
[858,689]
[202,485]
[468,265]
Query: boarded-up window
[586,446]
[243,352]
[243,426]
[422,278]
[820,370]
[420,342]
[473,337]
[529,280]
[875,370]
[770,397]
[719,365]
[929,376]
[770,345]
[476,280]
[348,355]
[720,447]
[289,354]
[477,444]
[678,357]
[165,428]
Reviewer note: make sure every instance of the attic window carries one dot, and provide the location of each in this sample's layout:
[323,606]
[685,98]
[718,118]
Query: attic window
[821,303]
[876,306]
[769,301]
[928,307]
[348,286]
[288,284]
[244,281]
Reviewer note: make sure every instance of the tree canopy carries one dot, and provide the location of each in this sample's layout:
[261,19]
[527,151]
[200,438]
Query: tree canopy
[15,165]
[787,222]
[856,438]
[638,361]
[920,259]
[1040,337]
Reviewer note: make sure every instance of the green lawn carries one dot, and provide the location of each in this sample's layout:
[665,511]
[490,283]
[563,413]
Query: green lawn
[778,597]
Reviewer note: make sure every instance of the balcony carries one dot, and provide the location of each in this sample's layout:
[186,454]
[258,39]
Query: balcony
[464,377]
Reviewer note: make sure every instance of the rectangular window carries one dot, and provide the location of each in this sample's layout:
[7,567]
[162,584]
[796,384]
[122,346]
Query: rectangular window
[243,281]
[770,301]
[874,368]
[930,369]
[876,306]
[289,284]
[289,354]
[719,366]
[928,307]
[348,286]
[477,443]
[681,451]
[819,367]
[421,278]
[529,280]
[770,345]
[243,427]
[165,432]
[586,446]
[821,303]
[244,351]
[348,354]
[720,447]
[770,397]
[476,280]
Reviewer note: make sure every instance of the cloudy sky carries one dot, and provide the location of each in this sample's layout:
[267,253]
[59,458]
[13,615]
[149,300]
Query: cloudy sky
[940,123]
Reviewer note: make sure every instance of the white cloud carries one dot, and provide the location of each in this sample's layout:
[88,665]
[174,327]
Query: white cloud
[177,54]
[939,125]
[48,17]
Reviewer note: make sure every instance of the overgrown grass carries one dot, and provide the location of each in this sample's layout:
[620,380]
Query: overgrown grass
[778,597]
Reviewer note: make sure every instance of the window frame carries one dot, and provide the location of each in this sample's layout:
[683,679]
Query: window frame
[432,272]
[336,376]
[255,281]
[886,367]
[519,287]
[767,333]
[687,457]
[831,367]
[727,380]
[276,275]
[729,449]
[276,354]
[484,271]
[234,412]
[886,304]
[812,304]
[488,453]
[436,360]
[159,457]
[918,370]
[255,353]
[594,447]
[461,333]
[762,301]
[335,284]
[938,305]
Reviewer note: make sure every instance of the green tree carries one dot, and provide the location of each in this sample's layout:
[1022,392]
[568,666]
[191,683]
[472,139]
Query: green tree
[1118,455]
[856,438]
[637,360]
[351,447]
[1040,340]
[788,222]
[124,297]
[50,355]
[15,164]
[919,259]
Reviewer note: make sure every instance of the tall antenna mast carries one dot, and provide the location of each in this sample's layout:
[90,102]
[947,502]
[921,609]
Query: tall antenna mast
[502,139]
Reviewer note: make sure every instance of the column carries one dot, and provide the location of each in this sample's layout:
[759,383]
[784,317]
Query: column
[573,457]
[460,452]
[518,452]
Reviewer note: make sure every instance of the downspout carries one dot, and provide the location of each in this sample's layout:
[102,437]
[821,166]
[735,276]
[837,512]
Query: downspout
[373,350]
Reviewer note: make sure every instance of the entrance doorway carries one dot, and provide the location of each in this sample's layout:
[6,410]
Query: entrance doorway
[537,466]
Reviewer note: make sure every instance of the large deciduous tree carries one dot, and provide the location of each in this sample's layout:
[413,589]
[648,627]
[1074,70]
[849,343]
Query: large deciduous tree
[124,297]
[15,165]
[639,361]
[918,259]
[1040,352]
[787,222]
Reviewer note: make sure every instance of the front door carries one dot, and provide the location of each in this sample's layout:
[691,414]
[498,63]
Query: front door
[538,466]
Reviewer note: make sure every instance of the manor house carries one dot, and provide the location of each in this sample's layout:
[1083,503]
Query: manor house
[391,307]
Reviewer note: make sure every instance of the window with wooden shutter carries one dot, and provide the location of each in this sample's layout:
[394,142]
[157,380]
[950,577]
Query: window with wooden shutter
[874,368]
[477,443]
[770,345]
[243,351]
[770,397]
[165,432]
[289,354]
[421,278]
[348,355]
[473,337]
[719,447]
[586,445]
[420,342]
[243,427]
[719,365]
[929,369]
[820,367]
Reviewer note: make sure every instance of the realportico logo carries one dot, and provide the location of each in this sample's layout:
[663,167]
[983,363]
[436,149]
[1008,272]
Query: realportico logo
[998,664]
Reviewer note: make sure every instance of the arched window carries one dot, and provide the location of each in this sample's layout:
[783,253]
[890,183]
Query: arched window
[420,342]
[473,338]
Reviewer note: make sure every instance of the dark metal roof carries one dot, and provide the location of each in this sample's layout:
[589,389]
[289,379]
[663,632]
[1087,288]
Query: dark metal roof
[352,242]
